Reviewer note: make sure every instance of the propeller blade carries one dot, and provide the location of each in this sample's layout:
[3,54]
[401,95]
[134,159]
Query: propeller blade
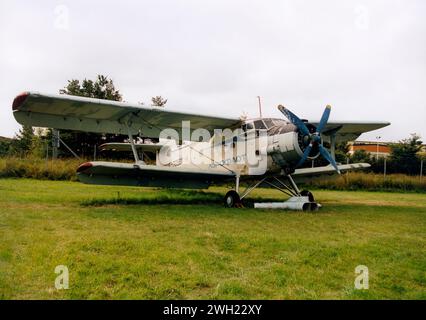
[324,119]
[294,120]
[305,155]
[329,158]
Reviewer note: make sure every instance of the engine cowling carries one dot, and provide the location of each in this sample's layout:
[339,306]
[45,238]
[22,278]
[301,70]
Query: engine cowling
[286,149]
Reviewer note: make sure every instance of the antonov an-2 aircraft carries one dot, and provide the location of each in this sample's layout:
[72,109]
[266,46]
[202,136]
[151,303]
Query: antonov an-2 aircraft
[195,150]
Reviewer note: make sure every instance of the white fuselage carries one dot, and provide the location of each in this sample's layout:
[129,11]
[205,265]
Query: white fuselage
[251,152]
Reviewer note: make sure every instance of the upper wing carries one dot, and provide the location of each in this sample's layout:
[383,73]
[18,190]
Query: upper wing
[105,116]
[349,131]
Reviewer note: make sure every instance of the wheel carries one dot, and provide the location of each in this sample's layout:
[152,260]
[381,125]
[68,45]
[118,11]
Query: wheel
[307,193]
[232,199]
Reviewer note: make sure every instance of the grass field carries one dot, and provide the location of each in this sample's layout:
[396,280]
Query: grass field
[154,250]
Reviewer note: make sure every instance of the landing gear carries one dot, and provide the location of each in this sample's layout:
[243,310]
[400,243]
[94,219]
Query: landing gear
[306,193]
[232,200]
[299,200]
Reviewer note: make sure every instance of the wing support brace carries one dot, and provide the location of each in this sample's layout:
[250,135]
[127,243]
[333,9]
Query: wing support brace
[332,134]
[333,145]
[132,144]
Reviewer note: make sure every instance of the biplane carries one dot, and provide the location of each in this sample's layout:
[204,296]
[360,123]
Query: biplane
[198,150]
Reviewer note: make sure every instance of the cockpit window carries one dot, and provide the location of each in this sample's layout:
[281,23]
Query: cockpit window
[247,126]
[272,125]
[279,122]
[258,124]
[269,123]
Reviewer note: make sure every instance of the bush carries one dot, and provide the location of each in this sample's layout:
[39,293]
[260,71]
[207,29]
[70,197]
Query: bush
[39,168]
[371,182]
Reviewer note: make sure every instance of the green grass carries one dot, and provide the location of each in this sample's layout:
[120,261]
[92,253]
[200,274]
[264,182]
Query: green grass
[155,250]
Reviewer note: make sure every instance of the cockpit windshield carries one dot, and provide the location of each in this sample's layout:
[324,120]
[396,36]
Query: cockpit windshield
[273,126]
[259,124]
[279,122]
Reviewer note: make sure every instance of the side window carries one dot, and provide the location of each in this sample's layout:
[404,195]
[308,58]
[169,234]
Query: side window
[258,124]
[247,126]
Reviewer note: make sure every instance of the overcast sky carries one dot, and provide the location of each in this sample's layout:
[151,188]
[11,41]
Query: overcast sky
[367,59]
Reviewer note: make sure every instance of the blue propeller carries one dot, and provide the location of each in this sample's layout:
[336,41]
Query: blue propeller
[314,138]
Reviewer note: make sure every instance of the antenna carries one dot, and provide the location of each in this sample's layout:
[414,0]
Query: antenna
[260,106]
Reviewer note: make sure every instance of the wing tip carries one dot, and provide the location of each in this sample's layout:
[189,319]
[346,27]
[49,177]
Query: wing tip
[19,100]
[85,166]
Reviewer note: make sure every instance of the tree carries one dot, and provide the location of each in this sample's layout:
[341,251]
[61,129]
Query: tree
[39,143]
[404,155]
[361,156]
[342,150]
[22,142]
[158,101]
[101,88]
[4,146]
[84,143]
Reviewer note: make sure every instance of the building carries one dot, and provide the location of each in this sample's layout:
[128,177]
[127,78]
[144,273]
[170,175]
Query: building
[374,148]
[381,149]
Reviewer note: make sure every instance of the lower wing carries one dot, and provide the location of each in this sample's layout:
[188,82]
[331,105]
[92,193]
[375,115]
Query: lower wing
[305,174]
[128,174]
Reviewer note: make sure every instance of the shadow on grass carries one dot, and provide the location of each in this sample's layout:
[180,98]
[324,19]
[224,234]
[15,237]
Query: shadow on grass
[165,196]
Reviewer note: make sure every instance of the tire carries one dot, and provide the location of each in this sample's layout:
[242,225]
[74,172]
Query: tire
[232,199]
[307,193]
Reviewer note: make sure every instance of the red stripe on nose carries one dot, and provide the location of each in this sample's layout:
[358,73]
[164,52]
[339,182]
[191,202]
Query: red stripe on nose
[19,100]
[84,166]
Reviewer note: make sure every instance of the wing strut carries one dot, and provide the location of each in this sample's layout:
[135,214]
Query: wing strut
[333,145]
[132,144]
